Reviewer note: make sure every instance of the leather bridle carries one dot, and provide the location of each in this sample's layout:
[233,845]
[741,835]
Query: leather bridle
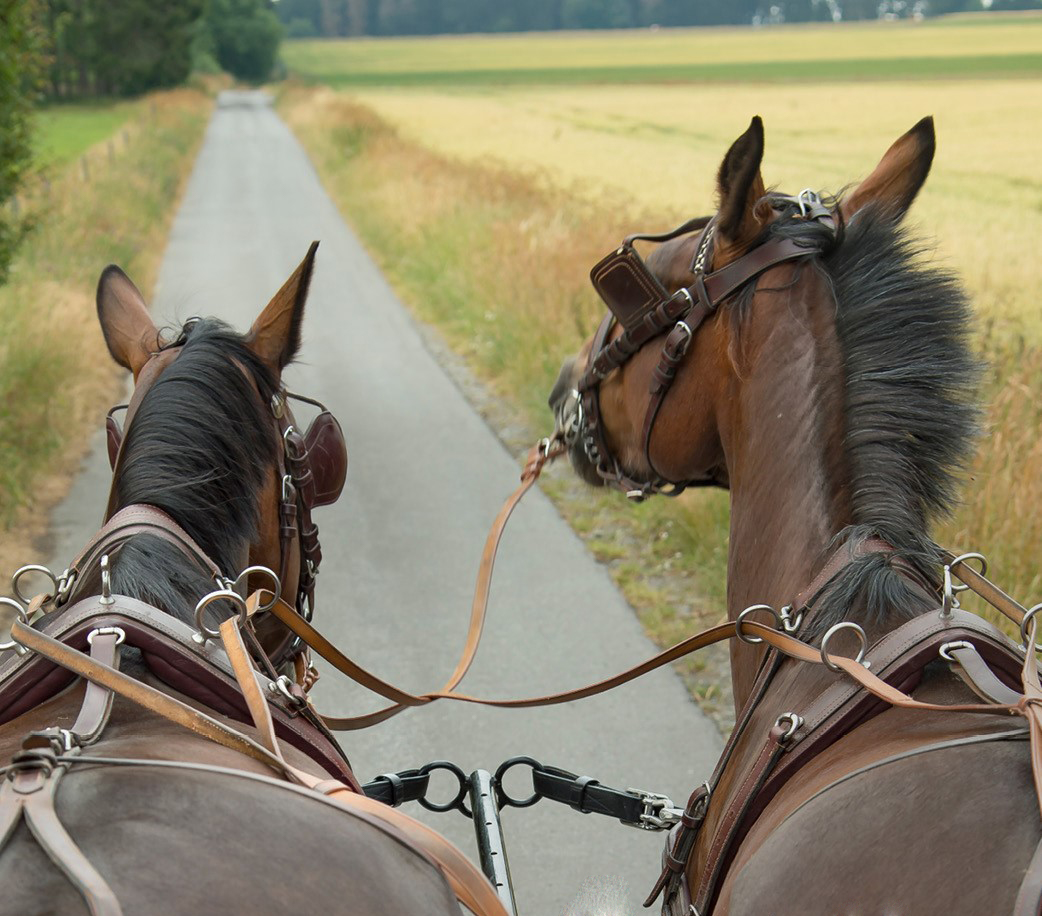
[645,310]
[311,467]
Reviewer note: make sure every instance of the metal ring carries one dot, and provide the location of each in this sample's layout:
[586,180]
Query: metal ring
[754,640]
[962,558]
[23,615]
[946,649]
[831,631]
[948,600]
[202,629]
[502,796]
[31,568]
[260,569]
[456,804]
[1024,626]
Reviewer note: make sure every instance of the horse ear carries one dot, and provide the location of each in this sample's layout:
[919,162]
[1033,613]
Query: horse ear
[275,335]
[129,333]
[739,187]
[899,176]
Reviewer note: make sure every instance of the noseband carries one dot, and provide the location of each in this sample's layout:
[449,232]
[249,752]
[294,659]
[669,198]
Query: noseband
[645,310]
[312,468]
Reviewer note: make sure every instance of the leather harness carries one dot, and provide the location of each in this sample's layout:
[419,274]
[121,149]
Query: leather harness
[897,658]
[312,469]
[645,310]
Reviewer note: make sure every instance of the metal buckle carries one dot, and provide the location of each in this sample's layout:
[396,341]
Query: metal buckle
[807,199]
[659,811]
[795,721]
[118,632]
[281,685]
[789,623]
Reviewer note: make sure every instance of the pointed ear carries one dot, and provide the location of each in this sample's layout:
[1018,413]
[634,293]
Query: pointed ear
[739,187]
[129,332]
[899,175]
[275,335]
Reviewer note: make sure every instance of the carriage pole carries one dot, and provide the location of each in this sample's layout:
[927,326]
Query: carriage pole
[489,831]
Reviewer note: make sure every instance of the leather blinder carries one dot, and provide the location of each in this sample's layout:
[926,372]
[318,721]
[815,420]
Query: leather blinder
[628,288]
[327,457]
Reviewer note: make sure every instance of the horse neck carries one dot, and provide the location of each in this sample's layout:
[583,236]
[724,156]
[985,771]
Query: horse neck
[784,451]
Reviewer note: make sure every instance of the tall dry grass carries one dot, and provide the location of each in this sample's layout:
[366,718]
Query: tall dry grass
[56,377]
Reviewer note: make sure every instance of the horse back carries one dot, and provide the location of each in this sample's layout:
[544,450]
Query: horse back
[173,841]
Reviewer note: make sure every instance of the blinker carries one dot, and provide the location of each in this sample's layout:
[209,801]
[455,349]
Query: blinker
[628,288]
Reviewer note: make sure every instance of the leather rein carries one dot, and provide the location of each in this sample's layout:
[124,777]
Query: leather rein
[645,310]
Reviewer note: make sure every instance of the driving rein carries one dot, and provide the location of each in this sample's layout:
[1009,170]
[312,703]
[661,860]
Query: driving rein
[644,310]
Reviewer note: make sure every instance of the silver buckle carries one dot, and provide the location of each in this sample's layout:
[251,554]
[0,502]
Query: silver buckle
[659,811]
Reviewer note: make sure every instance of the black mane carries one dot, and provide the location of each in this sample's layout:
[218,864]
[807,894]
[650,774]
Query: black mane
[198,448]
[910,388]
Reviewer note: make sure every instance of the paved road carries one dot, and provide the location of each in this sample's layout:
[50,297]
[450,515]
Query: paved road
[402,546]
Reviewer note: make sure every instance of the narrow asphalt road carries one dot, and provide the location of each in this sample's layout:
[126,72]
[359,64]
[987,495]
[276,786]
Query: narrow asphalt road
[401,548]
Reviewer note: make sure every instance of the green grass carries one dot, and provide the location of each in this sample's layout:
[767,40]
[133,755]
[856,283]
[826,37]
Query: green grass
[822,71]
[64,132]
[981,46]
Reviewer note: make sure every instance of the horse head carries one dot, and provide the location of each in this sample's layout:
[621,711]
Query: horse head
[210,441]
[788,348]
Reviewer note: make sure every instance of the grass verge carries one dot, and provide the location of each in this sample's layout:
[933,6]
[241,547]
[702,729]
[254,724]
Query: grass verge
[56,377]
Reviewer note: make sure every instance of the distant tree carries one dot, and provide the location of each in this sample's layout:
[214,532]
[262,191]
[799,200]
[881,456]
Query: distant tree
[300,17]
[806,11]
[940,7]
[117,47]
[999,5]
[246,36]
[21,66]
[139,45]
[596,14]
[859,9]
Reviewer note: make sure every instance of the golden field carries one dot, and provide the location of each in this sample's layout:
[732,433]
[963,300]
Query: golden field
[656,150]
[488,201]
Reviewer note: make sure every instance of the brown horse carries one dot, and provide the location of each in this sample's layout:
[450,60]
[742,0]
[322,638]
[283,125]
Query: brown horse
[129,810]
[805,355]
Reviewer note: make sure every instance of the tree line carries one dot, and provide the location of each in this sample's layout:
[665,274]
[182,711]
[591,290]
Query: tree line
[111,48]
[342,18]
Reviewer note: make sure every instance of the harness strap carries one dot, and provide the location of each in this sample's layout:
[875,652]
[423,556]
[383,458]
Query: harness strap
[31,787]
[31,793]
[472,889]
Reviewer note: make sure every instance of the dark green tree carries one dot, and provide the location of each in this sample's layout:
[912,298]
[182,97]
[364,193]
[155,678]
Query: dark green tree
[21,65]
[246,36]
[139,45]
